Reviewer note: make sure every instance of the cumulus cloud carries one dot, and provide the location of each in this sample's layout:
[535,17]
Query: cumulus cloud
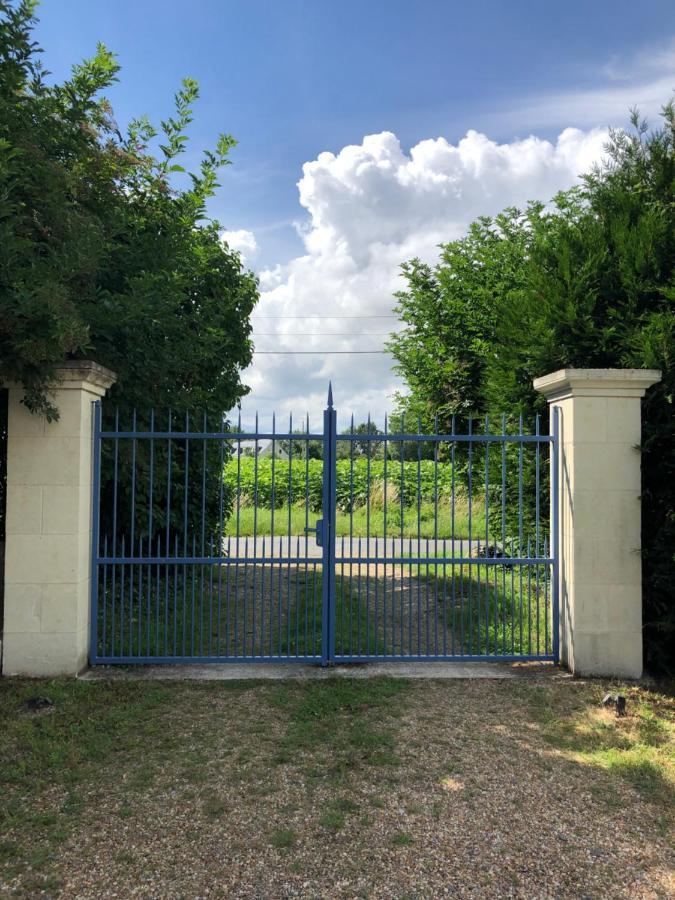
[243,241]
[370,207]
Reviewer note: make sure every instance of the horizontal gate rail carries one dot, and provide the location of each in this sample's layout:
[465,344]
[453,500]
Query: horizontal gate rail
[227,545]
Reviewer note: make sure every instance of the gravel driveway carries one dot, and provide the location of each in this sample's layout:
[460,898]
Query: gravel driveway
[347,788]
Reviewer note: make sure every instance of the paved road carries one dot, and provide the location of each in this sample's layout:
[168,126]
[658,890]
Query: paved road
[297,546]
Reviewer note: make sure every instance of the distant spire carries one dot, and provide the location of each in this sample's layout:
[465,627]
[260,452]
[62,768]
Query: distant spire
[330,395]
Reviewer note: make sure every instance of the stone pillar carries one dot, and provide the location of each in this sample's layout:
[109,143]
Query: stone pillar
[600,571]
[48,525]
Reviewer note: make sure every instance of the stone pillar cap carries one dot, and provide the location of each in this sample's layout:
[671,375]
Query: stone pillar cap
[76,373]
[596,383]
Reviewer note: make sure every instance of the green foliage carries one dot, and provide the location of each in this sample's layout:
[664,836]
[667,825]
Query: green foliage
[586,283]
[449,319]
[266,484]
[102,255]
[370,448]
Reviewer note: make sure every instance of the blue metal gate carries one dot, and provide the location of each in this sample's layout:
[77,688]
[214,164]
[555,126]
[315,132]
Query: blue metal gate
[220,545]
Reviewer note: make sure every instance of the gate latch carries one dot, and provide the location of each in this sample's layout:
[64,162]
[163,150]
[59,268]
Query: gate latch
[318,532]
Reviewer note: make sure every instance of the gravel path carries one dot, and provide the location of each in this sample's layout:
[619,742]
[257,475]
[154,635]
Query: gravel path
[455,789]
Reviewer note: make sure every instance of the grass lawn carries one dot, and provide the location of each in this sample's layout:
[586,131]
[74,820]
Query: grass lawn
[335,788]
[362,524]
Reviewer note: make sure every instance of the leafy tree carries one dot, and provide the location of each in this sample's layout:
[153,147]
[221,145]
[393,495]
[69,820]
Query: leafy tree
[449,317]
[587,282]
[302,448]
[103,256]
[360,448]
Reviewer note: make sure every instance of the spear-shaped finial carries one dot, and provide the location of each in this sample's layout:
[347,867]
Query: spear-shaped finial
[330,395]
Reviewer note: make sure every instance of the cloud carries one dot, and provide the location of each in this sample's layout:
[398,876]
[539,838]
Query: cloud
[370,207]
[243,241]
[645,80]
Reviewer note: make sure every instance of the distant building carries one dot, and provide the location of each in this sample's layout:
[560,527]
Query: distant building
[264,449]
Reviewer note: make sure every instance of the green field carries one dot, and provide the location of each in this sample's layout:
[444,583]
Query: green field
[431,520]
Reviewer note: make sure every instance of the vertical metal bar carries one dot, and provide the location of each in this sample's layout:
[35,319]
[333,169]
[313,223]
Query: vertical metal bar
[452,539]
[279,596]
[368,488]
[401,498]
[113,612]
[185,572]
[115,480]
[151,478]
[272,512]
[165,621]
[123,576]
[132,542]
[504,550]
[235,611]
[328,580]
[297,597]
[314,608]
[262,591]
[537,486]
[376,592]
[228,586]
[359,642]
[520,527]
[220,536]
[202,537]
[445,605]
[513,612]
[352,447]
[340,606]
[419,536]
[479,621]
[546,580]
[537,501]
[499,609]
[487,543]
[95,531]
[529,598]
[470,540]
[193,597]
[331,525]
[288,554]
[307,501]
[209,650]
[139,600]
[241,650]
[175,596]
[255,537]
[385,446]
[435,537]
[487,489]
[427,610]
[104,645]
[555,531]
[157,595]
[233,635]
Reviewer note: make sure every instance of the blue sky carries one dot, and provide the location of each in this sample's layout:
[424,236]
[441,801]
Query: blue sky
[292,78]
